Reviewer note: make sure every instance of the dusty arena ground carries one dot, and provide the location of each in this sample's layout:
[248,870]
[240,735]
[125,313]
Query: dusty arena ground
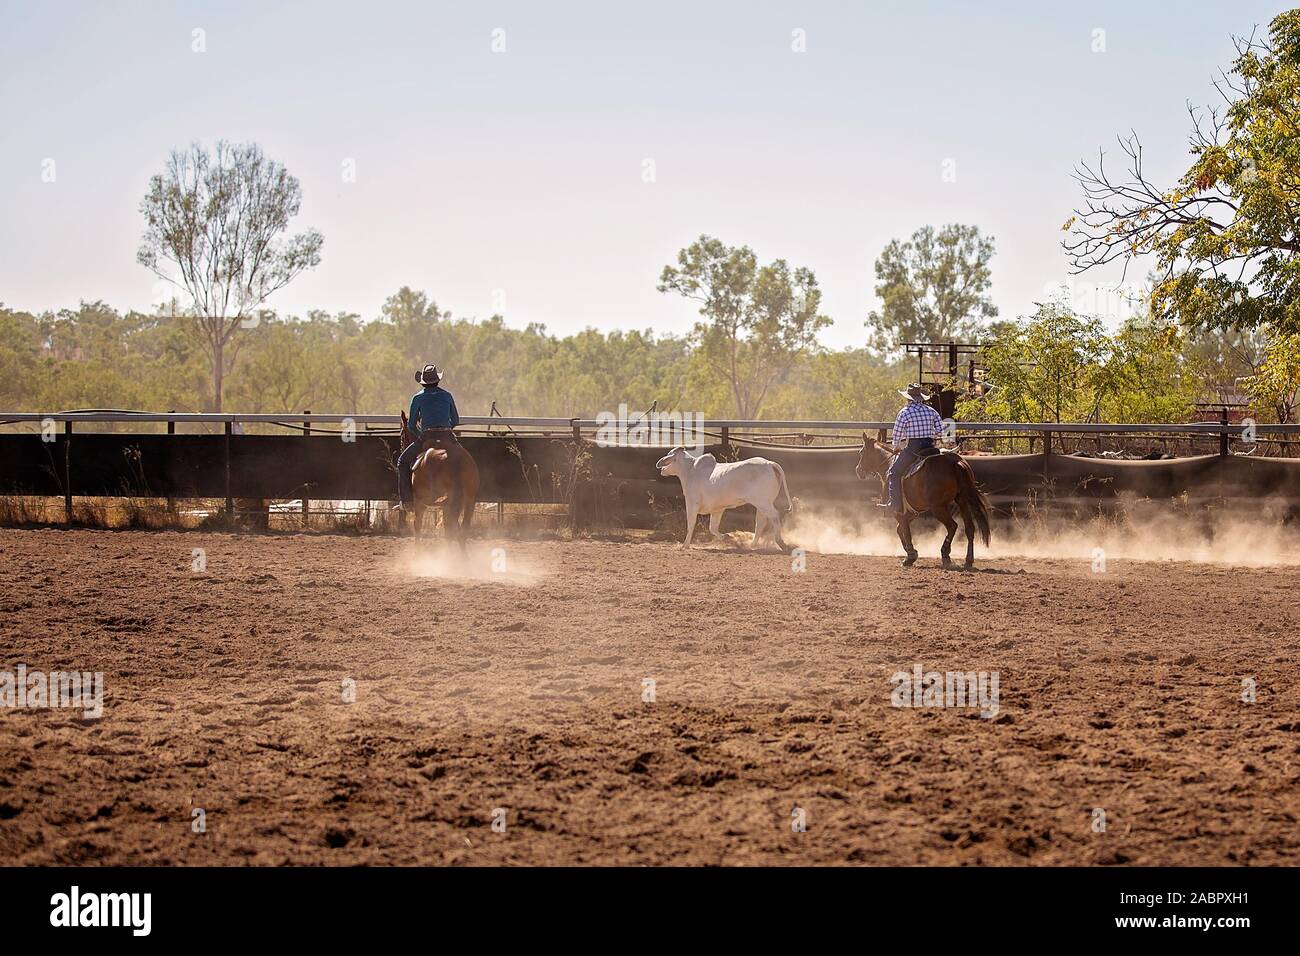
[516,693]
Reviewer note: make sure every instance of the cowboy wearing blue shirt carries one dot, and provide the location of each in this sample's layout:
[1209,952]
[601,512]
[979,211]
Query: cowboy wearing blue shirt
[915,429]
[431,407]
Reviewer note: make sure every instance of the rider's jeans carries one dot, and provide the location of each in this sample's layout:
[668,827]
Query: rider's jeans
[404,462]
[898,468]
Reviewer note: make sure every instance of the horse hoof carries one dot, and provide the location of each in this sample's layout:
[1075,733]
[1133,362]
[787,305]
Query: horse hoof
[968,566]
[909,560]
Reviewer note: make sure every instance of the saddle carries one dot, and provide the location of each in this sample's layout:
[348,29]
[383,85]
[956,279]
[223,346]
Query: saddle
[923,455]
[439,439]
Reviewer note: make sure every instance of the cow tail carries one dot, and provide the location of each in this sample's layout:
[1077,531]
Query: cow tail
[780,473]
[972,496]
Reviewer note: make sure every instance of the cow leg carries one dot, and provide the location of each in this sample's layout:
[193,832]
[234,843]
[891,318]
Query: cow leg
[715,524]
[691,515]
[905,535]
[760,525]
[774,518]
[951,524]
[968,523]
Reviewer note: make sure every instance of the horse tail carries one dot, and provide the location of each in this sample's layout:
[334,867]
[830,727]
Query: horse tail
[469,486]
[789,502]
[971,495]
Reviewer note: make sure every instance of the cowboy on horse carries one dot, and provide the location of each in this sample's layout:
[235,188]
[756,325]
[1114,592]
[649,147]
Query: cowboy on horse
[915,431]
[432,417]
[920,479]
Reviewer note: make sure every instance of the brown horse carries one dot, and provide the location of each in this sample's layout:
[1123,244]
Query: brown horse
[945,484]
[444,473]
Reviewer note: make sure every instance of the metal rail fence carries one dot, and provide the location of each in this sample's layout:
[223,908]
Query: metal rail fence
[520,458]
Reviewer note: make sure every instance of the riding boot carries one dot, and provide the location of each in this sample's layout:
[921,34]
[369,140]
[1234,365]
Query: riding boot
[894,486]
[405,460]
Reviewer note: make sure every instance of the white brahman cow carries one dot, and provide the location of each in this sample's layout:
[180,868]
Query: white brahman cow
[711,488]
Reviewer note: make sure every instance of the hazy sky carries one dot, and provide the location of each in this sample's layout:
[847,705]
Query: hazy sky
[523,171]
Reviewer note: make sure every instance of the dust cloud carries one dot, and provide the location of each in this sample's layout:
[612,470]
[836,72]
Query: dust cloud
[1255,536]
[482,562]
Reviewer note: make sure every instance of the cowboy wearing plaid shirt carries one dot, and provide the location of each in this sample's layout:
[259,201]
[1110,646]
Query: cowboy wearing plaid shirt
[916,428]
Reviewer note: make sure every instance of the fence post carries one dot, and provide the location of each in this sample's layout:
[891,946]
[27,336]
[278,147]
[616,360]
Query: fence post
[306,431]
[230,501]
[726,441]
[1223,432]
[67,472]
[171,430]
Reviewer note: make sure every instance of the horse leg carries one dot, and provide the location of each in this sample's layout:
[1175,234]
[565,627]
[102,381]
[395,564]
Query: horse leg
[469,485]
[968,523]
[945,515]
[417,518]
[905,535]
[451,519]
[466,516]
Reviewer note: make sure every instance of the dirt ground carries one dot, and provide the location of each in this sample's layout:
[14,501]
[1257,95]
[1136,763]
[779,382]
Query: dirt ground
[511,688]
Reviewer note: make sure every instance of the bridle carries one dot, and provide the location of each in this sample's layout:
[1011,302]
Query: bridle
[878,469]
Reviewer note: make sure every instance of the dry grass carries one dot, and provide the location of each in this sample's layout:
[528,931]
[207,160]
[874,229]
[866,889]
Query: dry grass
[18,511]
[208,514]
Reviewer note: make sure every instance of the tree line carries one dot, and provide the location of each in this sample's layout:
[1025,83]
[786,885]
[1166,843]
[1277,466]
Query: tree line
[1222,314]
[1052,365]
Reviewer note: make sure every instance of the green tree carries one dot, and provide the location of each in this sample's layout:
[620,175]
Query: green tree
[1047,367]
[1226,237]
[933,287]
[213,226]
[421,331]
[1277,383]
[20,347]
[1149,375]
[1228,354]
[847,385]
[758,321]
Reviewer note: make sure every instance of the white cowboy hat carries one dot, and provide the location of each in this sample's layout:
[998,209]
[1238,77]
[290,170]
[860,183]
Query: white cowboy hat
[429,375]
[915,391]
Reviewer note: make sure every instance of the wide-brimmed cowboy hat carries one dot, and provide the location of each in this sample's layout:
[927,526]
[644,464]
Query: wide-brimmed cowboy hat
[915,391]
[429,375]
